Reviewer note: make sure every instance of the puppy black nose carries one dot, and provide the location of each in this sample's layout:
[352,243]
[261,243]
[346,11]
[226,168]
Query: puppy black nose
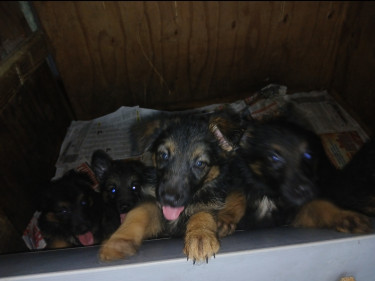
[304,191]
[301,188]
[170,198]
[125,208]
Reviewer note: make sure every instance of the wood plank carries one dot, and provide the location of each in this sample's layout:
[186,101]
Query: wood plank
[13,27]
[15,70]
[353,79]
[34,116]
[149,53]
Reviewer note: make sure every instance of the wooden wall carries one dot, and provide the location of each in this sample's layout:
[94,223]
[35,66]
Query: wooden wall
[13,27]
[170,54]
[34,116]
[353,78]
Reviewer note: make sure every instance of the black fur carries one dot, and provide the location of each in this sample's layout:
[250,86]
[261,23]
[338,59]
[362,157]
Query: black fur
[280,163]
[69,209]
[191,166]
[123,184]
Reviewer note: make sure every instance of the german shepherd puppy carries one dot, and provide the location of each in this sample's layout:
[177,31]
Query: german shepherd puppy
[123,184]
[281,164]
[190,158]
[353,187]
[71,212]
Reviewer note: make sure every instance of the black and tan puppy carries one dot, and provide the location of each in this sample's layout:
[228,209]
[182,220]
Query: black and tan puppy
[282,164]
[123,184]
[71,212]
[190,161]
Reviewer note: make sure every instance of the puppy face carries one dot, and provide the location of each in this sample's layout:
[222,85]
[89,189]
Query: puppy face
[184,155]
[284,158]
[71,210]
[123,183]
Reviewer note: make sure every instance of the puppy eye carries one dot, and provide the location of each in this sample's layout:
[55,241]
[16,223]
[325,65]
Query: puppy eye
[307,156]
[200,164]
[275,158]
[164,156]
[113,189]
[134,186]
[83,203]
[63,211]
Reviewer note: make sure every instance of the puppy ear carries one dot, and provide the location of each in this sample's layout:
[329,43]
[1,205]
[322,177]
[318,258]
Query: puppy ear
[101,162]
[227,129]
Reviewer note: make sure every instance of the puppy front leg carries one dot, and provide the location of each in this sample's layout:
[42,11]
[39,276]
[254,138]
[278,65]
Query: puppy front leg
[324,214]
[233,211]
[201,237]
[141,223]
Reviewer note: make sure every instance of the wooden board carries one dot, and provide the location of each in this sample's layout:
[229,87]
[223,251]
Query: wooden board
[34,116]
[162,53]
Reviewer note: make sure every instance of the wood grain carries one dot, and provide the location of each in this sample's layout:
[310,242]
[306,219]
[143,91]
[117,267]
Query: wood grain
[162,53]
[353,78]
[34,116]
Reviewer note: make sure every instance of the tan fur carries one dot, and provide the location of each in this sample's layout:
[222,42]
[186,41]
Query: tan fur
[324,214]
[57,244]
[212,174]
[141,223]
[198,152]
[256,168]
[171,146]
[231,214]
[201,241]
[50,216]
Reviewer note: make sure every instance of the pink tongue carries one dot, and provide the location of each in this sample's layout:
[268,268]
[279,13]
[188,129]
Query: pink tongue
[122,217]
[86,239]
[171,213]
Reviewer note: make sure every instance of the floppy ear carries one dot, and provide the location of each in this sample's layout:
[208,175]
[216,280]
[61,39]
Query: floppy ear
[101,162]
[227,129]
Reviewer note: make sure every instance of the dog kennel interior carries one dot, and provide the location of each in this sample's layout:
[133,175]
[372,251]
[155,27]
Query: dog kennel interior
[73,60]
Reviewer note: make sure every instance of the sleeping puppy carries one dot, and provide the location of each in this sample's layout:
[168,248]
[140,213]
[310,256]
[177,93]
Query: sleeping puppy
[281,164]
[71,212]
[123,184]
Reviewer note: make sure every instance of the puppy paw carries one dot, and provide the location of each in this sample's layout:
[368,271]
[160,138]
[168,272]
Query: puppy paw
[225,227]
[352,222]
[200,245]
[117,248]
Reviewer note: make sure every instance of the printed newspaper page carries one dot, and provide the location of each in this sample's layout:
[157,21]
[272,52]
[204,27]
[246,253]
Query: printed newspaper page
[341,134]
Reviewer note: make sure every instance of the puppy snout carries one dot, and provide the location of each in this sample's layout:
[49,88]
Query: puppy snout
[125,208]
[170,198]
[304,191]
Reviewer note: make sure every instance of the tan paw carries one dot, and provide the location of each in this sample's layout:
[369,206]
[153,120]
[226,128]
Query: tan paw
[200,245]
[352,222]
[117,248]
[225,228]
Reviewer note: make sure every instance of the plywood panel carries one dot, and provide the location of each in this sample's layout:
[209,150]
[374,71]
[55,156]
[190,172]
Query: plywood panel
[158,54]
[34,116]
[13,27]
[355,66]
